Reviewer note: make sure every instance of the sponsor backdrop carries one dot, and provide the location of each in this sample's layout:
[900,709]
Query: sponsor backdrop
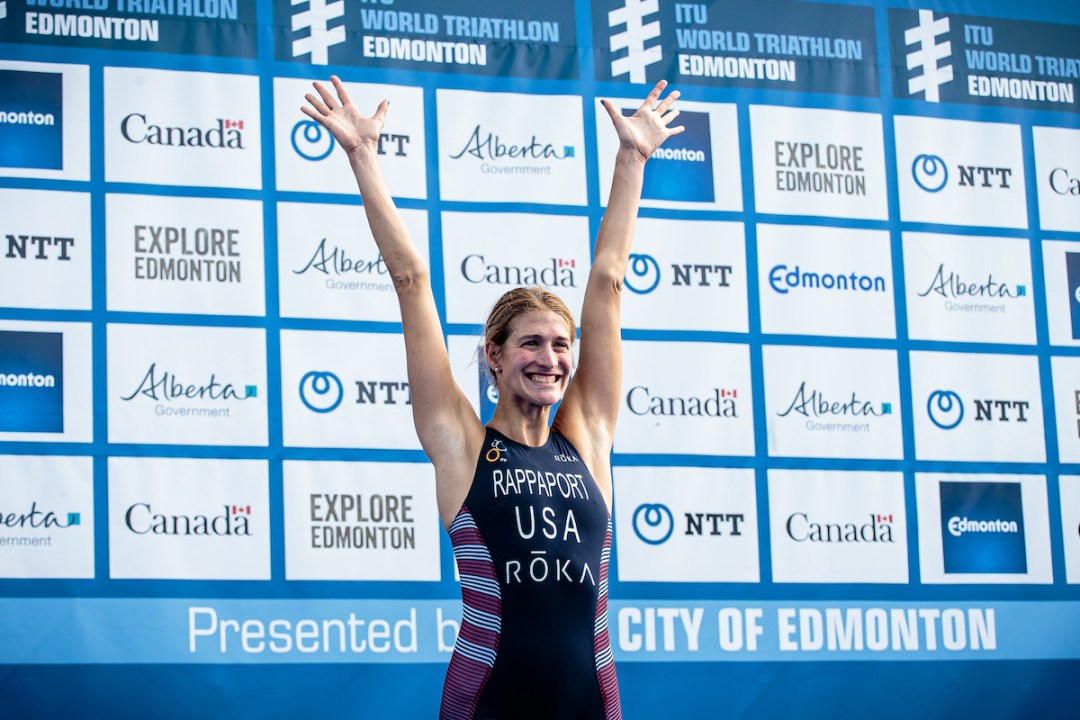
[847,469]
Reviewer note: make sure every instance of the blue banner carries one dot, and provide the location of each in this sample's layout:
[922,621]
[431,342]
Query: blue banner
[201,631]
[986,61]
[480,37]
[773,44]
[223,28]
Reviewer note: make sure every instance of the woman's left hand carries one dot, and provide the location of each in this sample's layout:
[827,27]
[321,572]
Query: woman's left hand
[647,129]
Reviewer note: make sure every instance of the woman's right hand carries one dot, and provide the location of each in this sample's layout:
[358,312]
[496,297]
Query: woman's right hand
[350,128]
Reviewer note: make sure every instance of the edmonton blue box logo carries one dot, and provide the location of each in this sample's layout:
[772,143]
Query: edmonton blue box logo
[982,527]
[682,170]
[31,382]
[31,120]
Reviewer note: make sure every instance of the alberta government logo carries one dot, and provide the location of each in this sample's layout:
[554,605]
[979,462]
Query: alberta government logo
[643,274]
[31,382]
[337,267]
[821,410]
[982,527]
[951,285]
[503,157]
[31,120]
[37,520]
[165,388]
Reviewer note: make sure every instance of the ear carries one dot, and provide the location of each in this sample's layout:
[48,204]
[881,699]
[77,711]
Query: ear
[491,353]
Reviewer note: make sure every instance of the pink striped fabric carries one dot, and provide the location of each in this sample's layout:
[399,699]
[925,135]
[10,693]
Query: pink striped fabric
[605,661]
[478,639]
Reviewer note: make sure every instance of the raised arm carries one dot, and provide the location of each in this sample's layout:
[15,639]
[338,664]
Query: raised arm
[589,410]
[449,430]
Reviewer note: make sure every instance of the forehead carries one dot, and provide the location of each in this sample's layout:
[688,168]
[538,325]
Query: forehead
[546,323]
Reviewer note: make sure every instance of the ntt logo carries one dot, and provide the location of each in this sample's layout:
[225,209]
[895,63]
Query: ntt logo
[321,391]
[653,523]
[930,173]
[958,526]
[642,274]
[945,408]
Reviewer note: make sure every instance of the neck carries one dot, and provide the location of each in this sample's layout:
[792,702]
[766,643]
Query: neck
[528,426]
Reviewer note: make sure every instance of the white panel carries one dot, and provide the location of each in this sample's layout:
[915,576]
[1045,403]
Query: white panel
[361,521]
[841,527]
[818,162]
[187,385]
[180,518]
[508,147]
[182,128]
[185,255]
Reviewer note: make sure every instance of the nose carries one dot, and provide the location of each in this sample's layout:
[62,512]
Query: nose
[547,357]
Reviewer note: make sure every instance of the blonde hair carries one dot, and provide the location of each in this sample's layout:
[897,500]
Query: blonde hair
[508,308]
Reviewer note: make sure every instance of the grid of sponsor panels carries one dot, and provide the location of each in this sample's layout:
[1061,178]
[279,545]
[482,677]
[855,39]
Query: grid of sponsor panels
[850,422]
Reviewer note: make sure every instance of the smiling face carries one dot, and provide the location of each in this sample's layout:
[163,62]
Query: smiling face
[533,365]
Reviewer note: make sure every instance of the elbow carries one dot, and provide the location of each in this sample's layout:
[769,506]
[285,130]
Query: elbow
[607,280]
[411,279]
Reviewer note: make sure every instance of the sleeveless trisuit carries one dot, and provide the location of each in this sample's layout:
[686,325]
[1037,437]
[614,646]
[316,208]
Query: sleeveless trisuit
[532,542]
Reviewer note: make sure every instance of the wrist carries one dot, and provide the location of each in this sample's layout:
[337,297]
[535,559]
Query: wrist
[364,150]
[629,159]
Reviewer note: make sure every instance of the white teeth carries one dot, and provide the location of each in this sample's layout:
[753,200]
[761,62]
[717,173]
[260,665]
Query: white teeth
[542,378]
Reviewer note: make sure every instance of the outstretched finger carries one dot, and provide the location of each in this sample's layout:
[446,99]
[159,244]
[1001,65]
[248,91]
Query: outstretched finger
[666,119]
[342,93]
[327,98]
[380,113]
[676,130]
[650,99]
[667,102]
[612,111]
[316,116]
[318,104]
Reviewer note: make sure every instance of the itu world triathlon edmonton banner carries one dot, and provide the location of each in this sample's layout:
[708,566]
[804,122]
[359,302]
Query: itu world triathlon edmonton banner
[847,465]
